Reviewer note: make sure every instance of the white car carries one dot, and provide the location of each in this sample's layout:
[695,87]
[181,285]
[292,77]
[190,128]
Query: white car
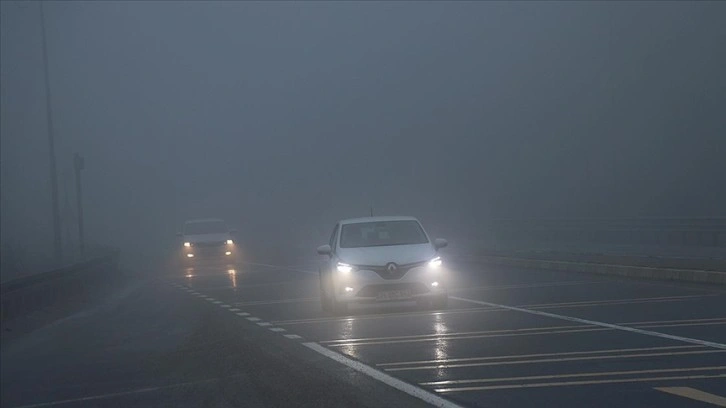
[207,239]
[381,259]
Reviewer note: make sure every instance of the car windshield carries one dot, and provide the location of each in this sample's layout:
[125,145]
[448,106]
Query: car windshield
[205,227]
[371,234]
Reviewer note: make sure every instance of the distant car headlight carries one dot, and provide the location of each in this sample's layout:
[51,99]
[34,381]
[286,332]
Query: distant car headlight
[187,244]
[230,242]
[435,263]
[344,267]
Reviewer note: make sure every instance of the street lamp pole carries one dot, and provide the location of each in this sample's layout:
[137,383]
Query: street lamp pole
[57,243]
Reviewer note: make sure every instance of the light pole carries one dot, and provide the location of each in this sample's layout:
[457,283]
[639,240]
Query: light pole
[78,165]
[57,243]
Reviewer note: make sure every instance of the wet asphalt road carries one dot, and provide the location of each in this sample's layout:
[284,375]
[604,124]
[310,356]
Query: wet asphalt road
[233,336]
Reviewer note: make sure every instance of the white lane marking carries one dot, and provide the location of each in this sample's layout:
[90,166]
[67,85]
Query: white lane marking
[243,314]
[695,394]
[525,286]
[467,337]
[264,324]
[574,375]
[320,320]
[569,305]
[552,360]
[293,336]
[400,385]
[573,383]
[597,323]
[254,319]
[277,329]
[523,356]
[115,394]
[217,302]
[445,336]
[234,309]
[225,306]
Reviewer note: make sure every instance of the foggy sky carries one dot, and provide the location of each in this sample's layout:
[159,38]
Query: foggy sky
[284,117]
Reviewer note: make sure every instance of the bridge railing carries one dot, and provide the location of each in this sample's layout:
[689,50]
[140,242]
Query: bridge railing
[689,232]
[75,283]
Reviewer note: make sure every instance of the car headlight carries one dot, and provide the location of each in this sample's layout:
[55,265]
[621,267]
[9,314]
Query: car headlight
[344,267]
[187,244]
[435,263]
[230,242]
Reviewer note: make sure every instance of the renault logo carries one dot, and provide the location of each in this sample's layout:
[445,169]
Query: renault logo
[391,268]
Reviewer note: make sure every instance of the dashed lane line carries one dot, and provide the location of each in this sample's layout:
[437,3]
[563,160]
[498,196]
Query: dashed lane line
[293,336]
[254,319]
[277,329]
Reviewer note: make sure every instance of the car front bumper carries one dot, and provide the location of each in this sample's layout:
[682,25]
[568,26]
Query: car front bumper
[367,286]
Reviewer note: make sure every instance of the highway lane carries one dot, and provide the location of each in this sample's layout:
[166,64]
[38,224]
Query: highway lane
[478,354]
[241,335]
[152,345]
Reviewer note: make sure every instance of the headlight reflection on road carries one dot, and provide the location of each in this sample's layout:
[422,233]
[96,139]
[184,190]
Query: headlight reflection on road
[441,349]
[233,277]
[346,332]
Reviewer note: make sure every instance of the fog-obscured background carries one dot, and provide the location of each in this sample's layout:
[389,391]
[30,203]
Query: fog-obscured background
[283,117]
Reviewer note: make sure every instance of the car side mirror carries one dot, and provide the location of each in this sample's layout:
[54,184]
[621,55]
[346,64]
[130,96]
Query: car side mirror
[324,250]
[440,243]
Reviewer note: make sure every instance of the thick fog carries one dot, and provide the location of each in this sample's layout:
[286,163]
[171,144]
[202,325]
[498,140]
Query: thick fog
[283,117]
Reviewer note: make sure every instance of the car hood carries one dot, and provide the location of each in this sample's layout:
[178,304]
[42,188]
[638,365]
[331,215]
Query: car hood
[380,256]
[197,238]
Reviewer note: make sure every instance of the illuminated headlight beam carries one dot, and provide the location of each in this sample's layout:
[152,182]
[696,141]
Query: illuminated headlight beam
[435,263]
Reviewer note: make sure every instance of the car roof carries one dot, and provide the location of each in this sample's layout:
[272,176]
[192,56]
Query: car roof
[203,220]
[377,219]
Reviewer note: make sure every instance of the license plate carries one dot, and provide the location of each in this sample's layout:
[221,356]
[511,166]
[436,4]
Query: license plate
[394,295]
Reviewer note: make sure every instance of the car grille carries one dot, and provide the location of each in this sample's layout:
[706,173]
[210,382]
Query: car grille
[416,288]
[384,273]
[209,244]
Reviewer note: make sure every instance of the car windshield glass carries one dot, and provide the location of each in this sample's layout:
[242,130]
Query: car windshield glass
[205,227]
[370,234]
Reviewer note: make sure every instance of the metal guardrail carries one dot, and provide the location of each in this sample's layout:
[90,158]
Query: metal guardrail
[71,284]
[699,232]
